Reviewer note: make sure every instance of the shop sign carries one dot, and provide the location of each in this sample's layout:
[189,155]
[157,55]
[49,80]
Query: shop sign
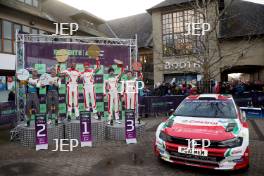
[179,65]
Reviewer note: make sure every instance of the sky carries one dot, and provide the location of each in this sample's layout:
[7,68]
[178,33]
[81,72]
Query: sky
[112,9]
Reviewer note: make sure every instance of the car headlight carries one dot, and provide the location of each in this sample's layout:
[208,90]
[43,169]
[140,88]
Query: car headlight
[164,136]
[169,123]
[231,143]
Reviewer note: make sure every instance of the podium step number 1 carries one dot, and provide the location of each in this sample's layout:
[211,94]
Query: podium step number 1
[85,129]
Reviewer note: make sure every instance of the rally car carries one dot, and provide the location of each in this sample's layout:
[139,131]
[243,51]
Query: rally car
[207,131]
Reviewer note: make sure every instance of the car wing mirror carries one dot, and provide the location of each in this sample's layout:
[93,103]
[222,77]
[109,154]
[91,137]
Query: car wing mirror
[243,115]
[172,111]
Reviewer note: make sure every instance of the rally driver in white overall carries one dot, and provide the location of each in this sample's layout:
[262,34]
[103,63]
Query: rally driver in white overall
[88,86]
[72,90]
[111,86]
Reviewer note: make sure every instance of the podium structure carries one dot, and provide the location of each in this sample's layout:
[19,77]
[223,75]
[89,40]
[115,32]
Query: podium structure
[118,132]
[72,130]
[80,49]
[27,135]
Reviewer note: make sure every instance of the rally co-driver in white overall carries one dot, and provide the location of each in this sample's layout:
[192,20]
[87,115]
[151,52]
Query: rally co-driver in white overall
[111,87]
[130,89]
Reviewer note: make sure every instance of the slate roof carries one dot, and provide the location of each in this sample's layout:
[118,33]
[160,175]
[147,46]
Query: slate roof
[60,12]
[243,19]
[167,3]
[127,27]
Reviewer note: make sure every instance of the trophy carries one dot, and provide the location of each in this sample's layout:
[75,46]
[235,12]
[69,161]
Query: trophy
[119,63]
[61,57]
[44,79]
[22,75]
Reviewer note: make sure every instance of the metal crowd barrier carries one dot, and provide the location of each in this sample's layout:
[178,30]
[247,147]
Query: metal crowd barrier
[149,105]
[7,113]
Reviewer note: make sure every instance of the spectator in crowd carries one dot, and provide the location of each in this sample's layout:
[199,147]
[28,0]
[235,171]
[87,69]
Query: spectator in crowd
[169,93]
[186,88]
[2,85]
[178,90]
[193,91]
[183,87]
[11,96]
[218,88]
[239,88]
[146,91]
[248,86]
[163,89]
[173,88]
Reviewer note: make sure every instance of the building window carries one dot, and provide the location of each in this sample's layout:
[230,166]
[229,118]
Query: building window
[29,2]
[26,29]
[174,26]
[7,36]
[34,31]
[147,62]
[42,32]
[17,28]
[34,3]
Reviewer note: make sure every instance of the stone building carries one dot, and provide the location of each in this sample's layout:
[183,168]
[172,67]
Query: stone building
[237,47]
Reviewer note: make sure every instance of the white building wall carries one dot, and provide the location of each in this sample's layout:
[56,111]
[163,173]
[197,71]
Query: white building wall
[7,61]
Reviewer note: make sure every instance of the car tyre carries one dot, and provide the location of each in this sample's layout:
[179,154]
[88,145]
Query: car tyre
[243,170]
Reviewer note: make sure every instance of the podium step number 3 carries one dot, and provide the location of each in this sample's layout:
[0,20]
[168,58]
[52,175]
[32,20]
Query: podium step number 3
[130,127]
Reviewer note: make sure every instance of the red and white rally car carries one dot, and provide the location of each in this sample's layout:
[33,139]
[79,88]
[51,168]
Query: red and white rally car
[207,131]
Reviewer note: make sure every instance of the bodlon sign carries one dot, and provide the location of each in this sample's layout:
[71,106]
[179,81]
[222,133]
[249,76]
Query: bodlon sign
[180,65]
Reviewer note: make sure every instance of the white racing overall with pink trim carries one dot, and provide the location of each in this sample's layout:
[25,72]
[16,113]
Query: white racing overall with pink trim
[130,93]
[88,89]
[112,96]
[72,90]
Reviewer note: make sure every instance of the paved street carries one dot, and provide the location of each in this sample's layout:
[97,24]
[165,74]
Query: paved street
[116,158]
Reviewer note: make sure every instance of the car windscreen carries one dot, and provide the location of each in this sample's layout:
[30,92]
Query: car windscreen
[207,108]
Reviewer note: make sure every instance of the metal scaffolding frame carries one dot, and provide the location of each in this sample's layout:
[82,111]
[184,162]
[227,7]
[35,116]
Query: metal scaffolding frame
[75,39]
[38,38]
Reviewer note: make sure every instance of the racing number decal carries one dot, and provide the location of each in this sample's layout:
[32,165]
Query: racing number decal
[85,129]
[130,126]
[130,123]
[42,129]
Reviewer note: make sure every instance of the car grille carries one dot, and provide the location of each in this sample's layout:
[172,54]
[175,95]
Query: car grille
[208,159]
